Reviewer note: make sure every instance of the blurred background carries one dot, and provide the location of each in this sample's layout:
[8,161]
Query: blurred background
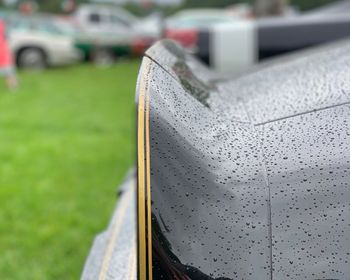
[67,123]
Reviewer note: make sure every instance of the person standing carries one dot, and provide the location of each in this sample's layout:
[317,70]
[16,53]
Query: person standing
[7,68]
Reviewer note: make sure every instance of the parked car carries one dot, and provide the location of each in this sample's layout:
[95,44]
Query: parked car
[238,178]
[116,21]
[41,42]
[110,32]
[231,47]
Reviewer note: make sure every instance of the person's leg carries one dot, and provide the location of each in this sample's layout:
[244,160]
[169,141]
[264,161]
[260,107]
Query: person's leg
[11,81]
[11,78]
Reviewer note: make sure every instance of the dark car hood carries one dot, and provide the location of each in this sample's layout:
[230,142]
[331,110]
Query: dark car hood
[248,178]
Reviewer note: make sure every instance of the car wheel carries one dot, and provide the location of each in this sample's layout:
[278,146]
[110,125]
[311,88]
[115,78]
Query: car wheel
[103,57]
[32,58]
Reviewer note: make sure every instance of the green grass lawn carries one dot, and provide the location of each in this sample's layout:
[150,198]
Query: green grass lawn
[66,142]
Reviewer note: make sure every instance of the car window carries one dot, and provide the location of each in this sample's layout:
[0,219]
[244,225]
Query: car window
[95,18]
[115,19]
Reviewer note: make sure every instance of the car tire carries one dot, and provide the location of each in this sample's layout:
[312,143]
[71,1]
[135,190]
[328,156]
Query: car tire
[32,58]
[103,57]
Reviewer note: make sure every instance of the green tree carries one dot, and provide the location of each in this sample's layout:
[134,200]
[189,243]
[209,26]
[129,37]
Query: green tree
[301,4]
[310,4]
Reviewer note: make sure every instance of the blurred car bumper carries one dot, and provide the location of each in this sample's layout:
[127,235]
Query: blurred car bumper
[113,254]
[64,57]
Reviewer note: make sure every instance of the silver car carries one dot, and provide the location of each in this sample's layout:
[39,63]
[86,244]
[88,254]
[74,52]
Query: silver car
[41,42]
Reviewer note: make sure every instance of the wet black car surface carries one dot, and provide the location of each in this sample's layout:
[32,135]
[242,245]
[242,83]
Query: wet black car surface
[246,178]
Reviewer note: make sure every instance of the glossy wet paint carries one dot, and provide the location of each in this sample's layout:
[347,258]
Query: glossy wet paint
[249,178]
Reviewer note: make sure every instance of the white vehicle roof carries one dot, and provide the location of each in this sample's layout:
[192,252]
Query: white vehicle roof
[107,9]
